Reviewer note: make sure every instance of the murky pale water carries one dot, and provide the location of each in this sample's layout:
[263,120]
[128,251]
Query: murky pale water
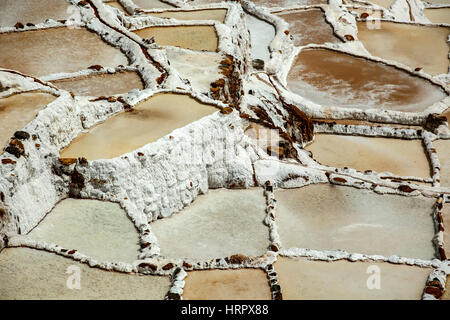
[441,15]
[117,5]
[309,26]
[288,3]
[33,11]
[261,36]
[443,151]
[33,274]
[18,110]
[187,37]
[331,78]
[101,84]
[98,229]
[44,52]
[244,284]
[151,4]
[200,68]
[401,157]
[330,217]
[382,3]
[128,131]
[218,224]
[303,279]
[207,14]
[446,218]
[408,44]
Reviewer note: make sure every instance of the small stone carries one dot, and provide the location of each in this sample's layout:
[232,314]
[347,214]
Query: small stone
[96,67]
[340,180]
[67,161]
[405,188]
[8,161]
[258,64]
[22,135]
[349,37]
[168,266]
[226,110]
[173,296]
[19,25]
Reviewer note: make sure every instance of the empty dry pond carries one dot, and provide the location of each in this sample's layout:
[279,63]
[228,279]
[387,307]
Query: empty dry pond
[331,78]
[101,84]
[98,229]
[206,14]
[34,274]
[216,225]
[18,110]
[408,44]
[187,37]
[145,123]
[55,50]
[309,26]
[245,284]
[329,217]
[400,157]
[304,279]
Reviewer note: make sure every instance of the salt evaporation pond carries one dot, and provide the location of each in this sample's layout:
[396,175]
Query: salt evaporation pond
[101,84]
[130,130]
[17,110]
[343,280]
[408,44]
[55,50]
[329,78]
[187,37]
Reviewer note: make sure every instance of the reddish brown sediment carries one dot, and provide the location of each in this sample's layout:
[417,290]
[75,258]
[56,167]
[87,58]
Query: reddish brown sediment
[330,78]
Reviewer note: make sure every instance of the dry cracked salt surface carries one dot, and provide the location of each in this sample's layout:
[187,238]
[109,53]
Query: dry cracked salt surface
[224,149]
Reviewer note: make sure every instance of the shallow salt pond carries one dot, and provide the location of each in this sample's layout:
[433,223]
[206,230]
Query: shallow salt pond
[206,14]
[33,11]
[200,68]
[446,218]
[304,279]
[243,284]
[443,152]
[187,37]
[98,229]
[151,4]
[55,50]
[309,26]
[441,15]
[261,36]
[145,123]
[400,157]
[288,3]
[34,274]
[101,84]
[408,44]
[18,110]
[382,3]
[216,225]
[328,78]
[330,217]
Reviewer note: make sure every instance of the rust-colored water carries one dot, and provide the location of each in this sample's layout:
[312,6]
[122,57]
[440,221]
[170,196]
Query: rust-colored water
[55,50]
[332,78]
